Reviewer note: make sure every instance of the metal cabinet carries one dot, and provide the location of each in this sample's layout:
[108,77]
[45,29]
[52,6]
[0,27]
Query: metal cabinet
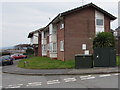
[83,61]
[104,57]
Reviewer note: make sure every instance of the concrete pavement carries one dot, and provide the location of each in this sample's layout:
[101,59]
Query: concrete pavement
[13,69]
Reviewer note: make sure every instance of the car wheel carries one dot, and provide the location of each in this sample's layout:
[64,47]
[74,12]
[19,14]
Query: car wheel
[24,57]
[11,63]
[3,64]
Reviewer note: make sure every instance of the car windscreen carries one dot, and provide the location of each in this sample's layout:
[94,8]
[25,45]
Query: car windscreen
[5,57]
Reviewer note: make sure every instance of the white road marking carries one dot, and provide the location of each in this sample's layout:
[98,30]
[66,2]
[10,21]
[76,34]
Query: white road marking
[116,74]
[34,84]
[106,75]
[53,82]
[69,79]
[10,85]
[14,86]
[20,84]
[87,78]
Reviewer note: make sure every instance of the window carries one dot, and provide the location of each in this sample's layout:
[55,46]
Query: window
[115,33]
[100,22]
[61,45]
[50,28]
[61,25]
[50,47]
[54,29]
[53,47]
[44,48]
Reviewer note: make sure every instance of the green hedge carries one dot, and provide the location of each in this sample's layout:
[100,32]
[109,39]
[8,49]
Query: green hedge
[104,40]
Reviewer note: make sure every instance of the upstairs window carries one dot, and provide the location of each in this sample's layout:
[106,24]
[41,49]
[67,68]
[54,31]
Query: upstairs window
[99,22]
[61,45]
[61,25]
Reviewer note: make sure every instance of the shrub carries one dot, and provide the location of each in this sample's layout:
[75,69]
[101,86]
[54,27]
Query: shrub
[104,40]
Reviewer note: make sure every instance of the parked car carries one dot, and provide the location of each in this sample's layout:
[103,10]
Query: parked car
[18,56]
[6,60]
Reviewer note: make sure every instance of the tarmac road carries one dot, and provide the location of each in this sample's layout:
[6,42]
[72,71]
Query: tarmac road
[61,81]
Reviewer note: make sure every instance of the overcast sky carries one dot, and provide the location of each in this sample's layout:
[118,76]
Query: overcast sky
[20,18]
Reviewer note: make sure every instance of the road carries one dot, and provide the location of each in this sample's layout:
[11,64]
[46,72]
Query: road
[62,81]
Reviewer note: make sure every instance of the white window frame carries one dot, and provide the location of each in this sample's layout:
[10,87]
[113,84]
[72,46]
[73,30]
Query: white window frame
[50,47]
[53,47]
[97,22]
[62,45]
[44,48]
[61,25]
[115,33]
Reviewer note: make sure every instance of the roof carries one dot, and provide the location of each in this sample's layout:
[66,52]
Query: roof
[90,5]
[22,45]
[81,8]
[31,33]
[118,28]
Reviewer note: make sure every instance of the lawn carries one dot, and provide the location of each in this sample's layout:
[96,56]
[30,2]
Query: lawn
[118,60]
[45,63]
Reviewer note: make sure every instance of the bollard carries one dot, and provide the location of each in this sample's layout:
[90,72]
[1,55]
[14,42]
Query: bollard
[26,63]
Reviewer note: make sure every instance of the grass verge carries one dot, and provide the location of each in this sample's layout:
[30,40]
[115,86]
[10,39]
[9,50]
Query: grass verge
[46,63]
[118,60]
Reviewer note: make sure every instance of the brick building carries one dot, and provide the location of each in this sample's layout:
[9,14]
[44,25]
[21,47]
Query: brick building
[117,36]
[72,32]
[34,40]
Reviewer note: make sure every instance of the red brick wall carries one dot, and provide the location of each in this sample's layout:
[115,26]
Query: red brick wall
[80,29]
[107,23]
[48,54]
[60,36]
[39,46]
[35,51]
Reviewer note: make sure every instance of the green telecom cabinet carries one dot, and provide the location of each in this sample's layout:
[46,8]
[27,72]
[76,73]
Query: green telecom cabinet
[104,57]
[83,61]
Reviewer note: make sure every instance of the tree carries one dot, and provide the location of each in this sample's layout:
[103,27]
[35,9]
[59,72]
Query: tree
[104,40]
